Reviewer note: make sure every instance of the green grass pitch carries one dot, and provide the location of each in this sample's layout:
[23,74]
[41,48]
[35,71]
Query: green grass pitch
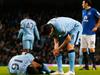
[4,70]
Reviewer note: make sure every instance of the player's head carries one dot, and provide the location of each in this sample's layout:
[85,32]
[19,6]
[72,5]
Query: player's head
[47,29]
[86,3]
[23,51]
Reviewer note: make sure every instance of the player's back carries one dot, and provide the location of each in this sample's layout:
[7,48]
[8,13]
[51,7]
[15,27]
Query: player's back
[19,63]
[28,26]
[65,24]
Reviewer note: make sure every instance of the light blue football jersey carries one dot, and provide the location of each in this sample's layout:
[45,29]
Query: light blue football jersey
[89,20]
[22,62]
[28,30]
[66,25]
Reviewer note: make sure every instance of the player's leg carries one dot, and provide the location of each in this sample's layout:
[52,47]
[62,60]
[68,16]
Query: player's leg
[26,44]
[92,50]
[59,57]
[37,67]
[84,47]
[31,44]
[92,57]
[80,57]
[75,35]
[71,56]
[59,60]
[43,68]
[31,70]
[59,63]
[71,51]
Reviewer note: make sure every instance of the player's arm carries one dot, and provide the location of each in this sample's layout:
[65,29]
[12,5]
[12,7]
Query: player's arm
[56,43]
[66,41]
[57,48]
[37,32]
[33,67]
[97,25]
[35,64]
[20,33]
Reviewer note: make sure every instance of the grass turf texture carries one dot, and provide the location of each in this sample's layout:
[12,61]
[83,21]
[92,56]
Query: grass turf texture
[4,70]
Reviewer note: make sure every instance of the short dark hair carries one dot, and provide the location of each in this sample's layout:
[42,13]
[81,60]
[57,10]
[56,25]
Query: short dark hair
[89,2]
[46,29]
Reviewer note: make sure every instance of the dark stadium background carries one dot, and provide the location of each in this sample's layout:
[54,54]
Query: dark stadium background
[38,5]
[18,4]
[72,7]
[11,12]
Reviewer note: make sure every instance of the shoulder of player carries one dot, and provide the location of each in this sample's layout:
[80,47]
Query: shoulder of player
[90,9]
[28,20]
[33,21]
[14,57]
[93,9]
[22,21]
[29,54]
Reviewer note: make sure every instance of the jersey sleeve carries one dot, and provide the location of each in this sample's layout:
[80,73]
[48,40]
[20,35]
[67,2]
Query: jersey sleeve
[30,57]
[20,33]
[21,24]
[52,21]
[36,32]
[96,13]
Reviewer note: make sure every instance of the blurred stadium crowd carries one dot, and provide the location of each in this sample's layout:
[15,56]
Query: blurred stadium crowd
[10,46]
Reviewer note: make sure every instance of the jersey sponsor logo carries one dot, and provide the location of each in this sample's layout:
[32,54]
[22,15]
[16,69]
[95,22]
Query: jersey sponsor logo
[85,19]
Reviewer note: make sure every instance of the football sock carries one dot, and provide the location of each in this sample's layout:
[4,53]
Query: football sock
[59,62]
[92,58]
[80,59]
[71,55]
[85,58]
[44,68]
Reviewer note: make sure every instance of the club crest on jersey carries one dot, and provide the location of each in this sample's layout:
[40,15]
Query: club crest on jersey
[89,13]
[85,18]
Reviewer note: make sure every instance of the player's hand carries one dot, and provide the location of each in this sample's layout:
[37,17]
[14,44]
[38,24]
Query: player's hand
[56,52]
[94,29]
